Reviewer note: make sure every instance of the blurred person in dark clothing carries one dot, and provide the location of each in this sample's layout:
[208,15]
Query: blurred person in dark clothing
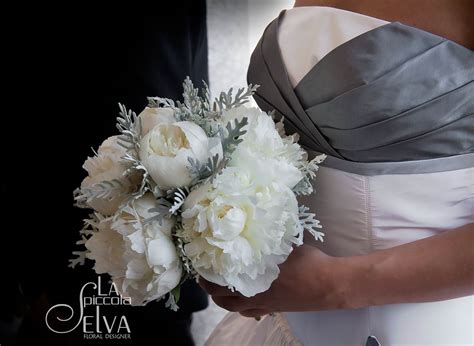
[84,66]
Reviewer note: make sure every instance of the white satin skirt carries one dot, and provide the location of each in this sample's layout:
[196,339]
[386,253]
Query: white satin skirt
[360,214]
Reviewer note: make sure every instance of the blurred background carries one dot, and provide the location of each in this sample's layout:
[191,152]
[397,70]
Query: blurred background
[234,28]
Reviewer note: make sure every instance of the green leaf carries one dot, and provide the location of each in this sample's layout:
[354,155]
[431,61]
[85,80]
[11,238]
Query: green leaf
[176,292]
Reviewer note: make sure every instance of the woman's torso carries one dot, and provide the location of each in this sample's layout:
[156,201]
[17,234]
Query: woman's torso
[392,105]
[364,213]
[368,207]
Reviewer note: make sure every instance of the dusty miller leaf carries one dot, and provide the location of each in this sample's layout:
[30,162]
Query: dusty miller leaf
[179,196]
[231,138]
[309,169]
[201,172]
[161,211]
[227,101]
[106,189]
[309,223]
[89,229]
[129,126]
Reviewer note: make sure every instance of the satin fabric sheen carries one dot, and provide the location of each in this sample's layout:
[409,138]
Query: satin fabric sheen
[302,49]
[379,188]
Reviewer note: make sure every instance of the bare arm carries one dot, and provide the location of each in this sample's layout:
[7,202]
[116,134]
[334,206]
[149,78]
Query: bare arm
[436,268]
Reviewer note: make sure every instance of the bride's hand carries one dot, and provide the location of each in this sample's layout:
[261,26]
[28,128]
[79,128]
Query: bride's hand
[431,269]
[309,280]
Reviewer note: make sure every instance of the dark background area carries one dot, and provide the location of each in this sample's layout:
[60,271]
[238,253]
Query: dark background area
[64,73]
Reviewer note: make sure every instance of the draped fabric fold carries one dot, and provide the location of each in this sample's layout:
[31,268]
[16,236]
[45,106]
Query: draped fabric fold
[277,92]
[394,110]
[394,93]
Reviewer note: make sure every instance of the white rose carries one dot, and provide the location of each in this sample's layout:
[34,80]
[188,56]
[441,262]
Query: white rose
[238,231]
[165,150]
[150,117]
[107,166]
[140,257]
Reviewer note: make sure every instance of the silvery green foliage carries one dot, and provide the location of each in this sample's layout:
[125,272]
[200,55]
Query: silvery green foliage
[167,204]
[231,135]
[206,92]
[203,172]
[303,188]
[186,262]
[309,223]
[157,102]
[162,210]
[198,108]
[312,166]
[179,196]
[309,169]
[227,101]
[89,228]
[80,258]
[129,126]
[192,101]
[135,167]
[102,190]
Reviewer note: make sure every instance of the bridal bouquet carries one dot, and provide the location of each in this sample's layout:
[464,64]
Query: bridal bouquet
[195,188]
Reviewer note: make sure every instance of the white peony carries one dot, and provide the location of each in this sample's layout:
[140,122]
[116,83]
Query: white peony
[263,148]
[238,113]
[165,150]
[141,258]
[106,248]
[107,166]
[239,229]
[150,117]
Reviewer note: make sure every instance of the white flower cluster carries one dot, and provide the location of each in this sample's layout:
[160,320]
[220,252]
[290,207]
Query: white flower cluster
[185,201]
[140,257]
[242,225]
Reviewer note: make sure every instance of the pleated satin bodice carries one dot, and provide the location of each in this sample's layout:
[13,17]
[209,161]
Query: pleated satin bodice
[393,93]
[393,107]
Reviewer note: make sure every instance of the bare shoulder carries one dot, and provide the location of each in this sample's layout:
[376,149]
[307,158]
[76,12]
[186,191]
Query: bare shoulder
[452,19]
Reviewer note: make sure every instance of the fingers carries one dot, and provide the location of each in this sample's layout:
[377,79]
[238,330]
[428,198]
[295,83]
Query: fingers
[233,301]
[254,313]
[238,304]
[217,290]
